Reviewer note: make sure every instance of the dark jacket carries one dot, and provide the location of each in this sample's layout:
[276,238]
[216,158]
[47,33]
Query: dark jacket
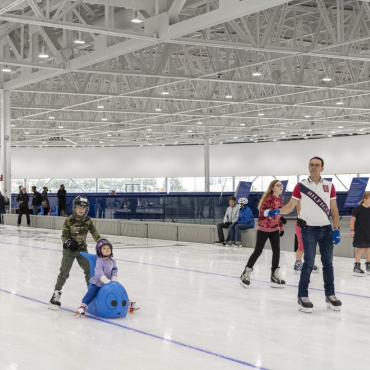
[2,203]
[36,199]
[22,200]
[62,197]
[45,200]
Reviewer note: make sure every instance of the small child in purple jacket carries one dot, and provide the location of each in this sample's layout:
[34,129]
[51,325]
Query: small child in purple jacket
[105,272]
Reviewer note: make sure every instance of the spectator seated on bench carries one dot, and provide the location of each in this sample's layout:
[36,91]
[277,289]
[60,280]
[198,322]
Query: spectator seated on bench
[245,221]
[231,216]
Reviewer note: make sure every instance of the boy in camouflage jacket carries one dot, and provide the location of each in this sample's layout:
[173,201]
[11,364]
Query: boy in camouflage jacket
[74,235]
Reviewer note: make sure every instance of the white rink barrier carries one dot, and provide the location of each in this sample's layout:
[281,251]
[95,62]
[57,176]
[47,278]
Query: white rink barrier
[195,233]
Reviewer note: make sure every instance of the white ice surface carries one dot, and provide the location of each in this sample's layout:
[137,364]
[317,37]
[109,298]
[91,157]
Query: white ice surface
[194,313]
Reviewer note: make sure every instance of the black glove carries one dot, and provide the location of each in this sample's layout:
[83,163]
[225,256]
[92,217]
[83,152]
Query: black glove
[228,223]
[70,244]
[281,233]
[283,220]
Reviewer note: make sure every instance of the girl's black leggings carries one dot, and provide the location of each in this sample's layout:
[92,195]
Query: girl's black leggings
[262,237]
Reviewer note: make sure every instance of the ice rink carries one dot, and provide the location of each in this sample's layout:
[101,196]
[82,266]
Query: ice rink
[194,313]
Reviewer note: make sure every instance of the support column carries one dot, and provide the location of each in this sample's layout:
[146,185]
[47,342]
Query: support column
[5,184]
[206,167]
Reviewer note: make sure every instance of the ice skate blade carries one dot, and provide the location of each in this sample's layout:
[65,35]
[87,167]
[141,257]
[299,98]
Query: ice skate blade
[304,309]
[277,286]
[358,274]
[333,308]
[53,307]
[245,286]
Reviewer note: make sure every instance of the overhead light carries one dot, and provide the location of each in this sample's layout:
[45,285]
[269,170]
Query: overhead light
[326,79]
[149,129]
[101,142]
[60,126]
[282,133]
[44,142]
[104,119]
[339,103]
[261,114]
[136,20]
[27,132]
[51,117]
[12,125]
[190,131]
[158,109]
[256,74]
[242,124]
[6,69]
[340,127]
[43,54]
[164,92]
[109,135]
[228,96]
[79,41]
[100,106]
[235,137]
[307,116]
[199,123]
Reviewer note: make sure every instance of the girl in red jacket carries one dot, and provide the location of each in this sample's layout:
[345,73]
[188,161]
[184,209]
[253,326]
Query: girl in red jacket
[268,228]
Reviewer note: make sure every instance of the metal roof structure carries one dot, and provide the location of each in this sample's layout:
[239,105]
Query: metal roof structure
[178,72]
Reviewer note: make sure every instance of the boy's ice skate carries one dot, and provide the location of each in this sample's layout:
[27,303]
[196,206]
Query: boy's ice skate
[55,300]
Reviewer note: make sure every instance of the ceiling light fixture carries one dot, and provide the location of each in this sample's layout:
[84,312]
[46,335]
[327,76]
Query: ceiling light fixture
[164,92]
[104,119]
[228,96]
[261,114]
[79,41]
[256,74]
[43,54]
[100,106]
[6,69]
[136,20]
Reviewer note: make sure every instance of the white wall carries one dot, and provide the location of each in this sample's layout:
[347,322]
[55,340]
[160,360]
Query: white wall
[341,155]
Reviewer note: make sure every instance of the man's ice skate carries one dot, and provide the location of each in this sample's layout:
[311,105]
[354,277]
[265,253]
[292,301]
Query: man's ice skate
[55,300]
[333,303]
[305,305]
[81,310]
[276,281]
[133,307]
[298,266]
[357,270]
[245,277]
[367,264]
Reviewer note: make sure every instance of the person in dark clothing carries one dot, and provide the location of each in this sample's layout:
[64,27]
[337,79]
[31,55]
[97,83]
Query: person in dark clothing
[2,207]
[36,201]
[62,201]
[45,201]
[22,200]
